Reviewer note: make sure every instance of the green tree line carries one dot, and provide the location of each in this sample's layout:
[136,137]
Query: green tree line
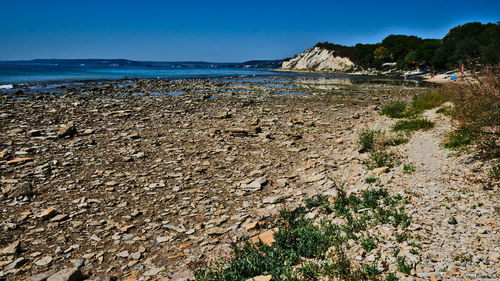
[471,44]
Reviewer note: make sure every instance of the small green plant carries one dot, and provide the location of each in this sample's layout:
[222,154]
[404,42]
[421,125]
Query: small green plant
[396,109]
[495,170]
[367,138]
[461,138]
[395,140]
[315,201]
[380,159]
[371,180]
[391,277]
[461,257]
[403,266]
[416,124]
[408,168]
[309,271]
[445,110]
[367,243]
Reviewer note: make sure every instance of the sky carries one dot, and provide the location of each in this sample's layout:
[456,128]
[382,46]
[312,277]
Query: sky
[217,31]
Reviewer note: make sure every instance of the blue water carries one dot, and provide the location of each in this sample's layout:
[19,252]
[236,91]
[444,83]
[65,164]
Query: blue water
[45,73]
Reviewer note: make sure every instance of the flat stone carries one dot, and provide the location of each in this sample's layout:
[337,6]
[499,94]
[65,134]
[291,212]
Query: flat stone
[67,130]
[48,214]
[68,274]
[379,171]
[16,264]
[19,160]
[267,237]
[250,225]
[260,278]
[58,218]
[12,249]
[44,261]
[216,231]
[162,239]
[42,276]
[154,271]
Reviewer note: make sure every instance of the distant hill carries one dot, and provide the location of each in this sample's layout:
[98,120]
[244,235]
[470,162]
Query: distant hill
[124,63]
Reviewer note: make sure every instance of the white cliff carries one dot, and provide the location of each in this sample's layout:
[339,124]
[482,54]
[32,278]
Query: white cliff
[318,59]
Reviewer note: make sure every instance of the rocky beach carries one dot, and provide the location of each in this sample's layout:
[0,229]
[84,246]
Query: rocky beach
[153,179]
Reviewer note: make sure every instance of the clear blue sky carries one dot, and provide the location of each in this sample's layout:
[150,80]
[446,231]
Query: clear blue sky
[208,30]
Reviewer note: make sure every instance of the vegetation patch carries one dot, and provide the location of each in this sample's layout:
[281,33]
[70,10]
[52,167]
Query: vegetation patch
[396,109]
[417,124]
[314,250]
[461,138]
[367,138]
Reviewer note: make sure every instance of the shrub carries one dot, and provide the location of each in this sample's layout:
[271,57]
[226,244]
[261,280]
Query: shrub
[427,101]
[380,159]
[413,125]
[477,102]
[461,138]
[395,109]
[367,138]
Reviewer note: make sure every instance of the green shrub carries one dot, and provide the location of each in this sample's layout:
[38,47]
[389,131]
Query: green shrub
[300,241]
[371,180]
[445,110]
[413,125]
[461,138]
[427,101]
[408,168]
[380,159]
[395,109]
[367,138]
[495,170]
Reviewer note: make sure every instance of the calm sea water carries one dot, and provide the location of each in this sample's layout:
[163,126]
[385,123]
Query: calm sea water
[44,73]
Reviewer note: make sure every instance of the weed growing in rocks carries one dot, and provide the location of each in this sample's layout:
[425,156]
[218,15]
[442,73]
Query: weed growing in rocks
[313,250]
[461,138]
[416,124]
[408,168]
[395,109]
[380,159]
[367,138]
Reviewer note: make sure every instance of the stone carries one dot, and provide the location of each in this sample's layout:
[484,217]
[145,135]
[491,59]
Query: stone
[16,264]
[273,199]
[162,239]
[380,171]
[19,161]
[260,278]
[47,214]
[42,276]
[44,261]
[154,271]
[250,225]
[256,184]
[58,218]
[68,274]
[267,237]
[216,231]
[22,189]
[13,249]
[68,130]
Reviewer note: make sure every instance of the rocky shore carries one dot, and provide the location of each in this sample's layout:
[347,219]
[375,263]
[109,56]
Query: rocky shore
[149,179]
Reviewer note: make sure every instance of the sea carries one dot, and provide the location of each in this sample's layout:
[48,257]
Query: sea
[17,74]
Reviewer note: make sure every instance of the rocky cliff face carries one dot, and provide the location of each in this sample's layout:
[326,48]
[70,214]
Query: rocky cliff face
[318,59]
